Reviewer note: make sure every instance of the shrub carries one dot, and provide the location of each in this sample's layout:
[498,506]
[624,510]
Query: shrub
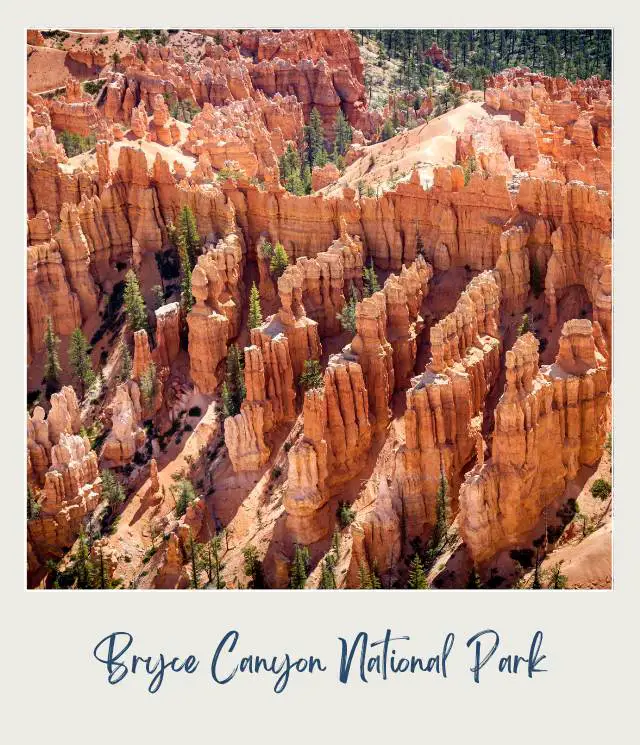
[601,489]
[276,473]
[93,87]
[103,40]
[345,514]
[75,144]
[311,376]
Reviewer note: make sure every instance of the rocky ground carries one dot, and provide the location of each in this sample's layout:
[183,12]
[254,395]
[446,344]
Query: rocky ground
[456,422]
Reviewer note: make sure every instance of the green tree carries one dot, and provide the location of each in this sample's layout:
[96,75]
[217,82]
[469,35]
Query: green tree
[104,582]
[327,574]
[344,135]
[557,580]
[299,568]
[80,360]
[194,564]
[112,489]
[345,514]
[188,230]
[211,561]
[233,389]
[417,577]
[33,506]
[601,489]
[253,567]
[311,376]
[371,283]
[52,369]
[148,385]
[158,296]
[184,494]
[82,567]
[314,135]
[440,528]
[134,306]
[388,130]
[186,295]
[126,364]
[347,317]
[279,261]
[470,166]
[524,326]
[255,309]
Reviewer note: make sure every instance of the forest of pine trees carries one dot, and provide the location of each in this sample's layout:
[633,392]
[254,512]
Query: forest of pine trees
[475,53]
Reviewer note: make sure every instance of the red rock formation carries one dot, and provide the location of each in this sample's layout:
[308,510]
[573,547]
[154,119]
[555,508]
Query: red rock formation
[373,353]
[167,333]
[513,268]
[306,497]
[443,401]
[72,489]
[268,375]
[548,422]
[323,176]
[244,438]
[126,436]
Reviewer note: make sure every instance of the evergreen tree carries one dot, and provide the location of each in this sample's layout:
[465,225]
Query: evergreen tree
[417,577]
[126,364]
[279,261]
[364,577]
[134,306]
[299,568]
[158,296]
[104,583]
[186,296]
[558,581]
[192,553]
[371,283]
[314,135]
[344,135]
[311,376]
[82,567]
[345,514]
[388,130]
[440,528]
[348,316]
[52,369]
[211,561]
[188,231]
[255,310]
[184,494]
[253,567]
[524,326]
[80,360]
[233,389]
[111,488]
[148,385]
[33,506]
[327,575]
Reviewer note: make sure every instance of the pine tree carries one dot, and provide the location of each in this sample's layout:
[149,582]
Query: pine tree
[348,316]
[440,528]
[82,566]
[344,135]
[126,364]
[158,296]
[233,389]
[417,577]
[134,306]
[558,581]
[111,488]
[279,261]
[148,385]
[525,325]
[311,376]
[211,561]
[388,130]
[327,576]
[104,583]
[253,567]
[192,553]
[33,506]
[186,296]
[52,369]
[299,568]
[314,138]
[255,310]
[184,494]
[80,360]
[188,230]
[371,283]
[364,577]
